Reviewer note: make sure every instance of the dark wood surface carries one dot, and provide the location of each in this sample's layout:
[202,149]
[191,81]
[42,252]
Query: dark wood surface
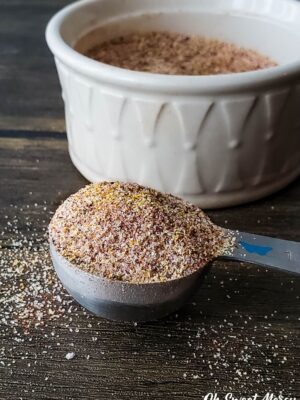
[239,334]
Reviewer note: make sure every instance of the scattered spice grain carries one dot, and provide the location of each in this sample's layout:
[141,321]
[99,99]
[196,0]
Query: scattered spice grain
[70,356]
[31,296]
[177,54]
[123,231]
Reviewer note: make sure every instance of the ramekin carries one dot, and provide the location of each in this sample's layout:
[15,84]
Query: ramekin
[215,140]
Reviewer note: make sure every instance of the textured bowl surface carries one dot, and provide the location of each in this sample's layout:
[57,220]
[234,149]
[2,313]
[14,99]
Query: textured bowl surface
[213,140]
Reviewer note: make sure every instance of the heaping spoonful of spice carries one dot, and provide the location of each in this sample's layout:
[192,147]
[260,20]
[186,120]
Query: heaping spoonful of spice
[127,252]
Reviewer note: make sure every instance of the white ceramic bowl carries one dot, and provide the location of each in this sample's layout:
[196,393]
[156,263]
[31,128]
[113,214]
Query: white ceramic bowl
[213,140]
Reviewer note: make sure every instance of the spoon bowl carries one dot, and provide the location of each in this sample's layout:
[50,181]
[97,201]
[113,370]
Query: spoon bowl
[125,301]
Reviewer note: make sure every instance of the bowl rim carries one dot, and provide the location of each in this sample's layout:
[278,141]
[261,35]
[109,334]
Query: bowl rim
[159,82]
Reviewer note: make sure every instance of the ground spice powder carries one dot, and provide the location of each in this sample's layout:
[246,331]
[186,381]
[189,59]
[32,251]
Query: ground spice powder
[126,232]
[177,54]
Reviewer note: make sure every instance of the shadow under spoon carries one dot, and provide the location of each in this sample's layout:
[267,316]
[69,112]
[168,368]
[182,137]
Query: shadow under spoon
[125,301]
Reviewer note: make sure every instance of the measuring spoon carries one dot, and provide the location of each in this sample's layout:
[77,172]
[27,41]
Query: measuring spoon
[117,300]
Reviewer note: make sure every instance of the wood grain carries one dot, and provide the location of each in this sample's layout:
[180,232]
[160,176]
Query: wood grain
[239,334]
[30,93]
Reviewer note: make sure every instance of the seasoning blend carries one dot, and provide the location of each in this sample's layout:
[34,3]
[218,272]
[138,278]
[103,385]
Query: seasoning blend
[177,54]
[123,231]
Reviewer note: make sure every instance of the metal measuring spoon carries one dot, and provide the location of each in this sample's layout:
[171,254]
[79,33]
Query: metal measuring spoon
[126,301]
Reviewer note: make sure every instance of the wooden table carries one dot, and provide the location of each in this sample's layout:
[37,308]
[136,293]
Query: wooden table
[240,333]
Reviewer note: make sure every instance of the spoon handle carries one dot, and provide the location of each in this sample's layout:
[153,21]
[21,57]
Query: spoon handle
[264,250]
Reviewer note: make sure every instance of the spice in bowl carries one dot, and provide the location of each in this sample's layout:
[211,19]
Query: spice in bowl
[177,54]
[126,232]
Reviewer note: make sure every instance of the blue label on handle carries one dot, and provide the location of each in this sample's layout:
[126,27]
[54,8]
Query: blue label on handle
[253,248]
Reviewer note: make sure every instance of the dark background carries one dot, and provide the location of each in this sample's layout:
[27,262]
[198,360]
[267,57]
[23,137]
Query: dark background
[29,89]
